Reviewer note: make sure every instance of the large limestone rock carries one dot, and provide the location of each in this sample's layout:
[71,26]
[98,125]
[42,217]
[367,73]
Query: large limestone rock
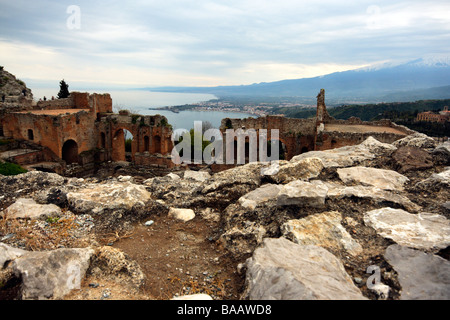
[418,140]
[28,209]
[323,230]
[383,179]
[95,198]
[283,270]
[350,155]
[338,191]
[422,276]
[8,253]
[197,175]
[303,169]
[411,159]
[302,193]
[52,274]
[261,195]
[422,231]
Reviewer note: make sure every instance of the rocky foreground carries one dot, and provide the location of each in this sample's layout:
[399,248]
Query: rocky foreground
[362,222]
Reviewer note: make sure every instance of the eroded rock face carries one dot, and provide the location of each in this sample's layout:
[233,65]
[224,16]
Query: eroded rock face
[95,198]
[412,159]
[303,169]
[383,179]
[425,231]
[377,195]
[323,230]
[435,181]
[261,195]
[302,193]
[32,180]
[418,140]
[283,270]
[351,155]
[423,276]
[29,209]
[197,175]
[52,274]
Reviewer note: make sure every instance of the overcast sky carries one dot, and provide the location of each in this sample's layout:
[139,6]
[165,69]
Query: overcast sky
[209,43]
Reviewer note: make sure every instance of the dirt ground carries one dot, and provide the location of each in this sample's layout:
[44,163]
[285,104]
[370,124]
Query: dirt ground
[361,128]
[177,259]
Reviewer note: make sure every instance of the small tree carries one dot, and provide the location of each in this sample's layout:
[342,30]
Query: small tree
[63,90]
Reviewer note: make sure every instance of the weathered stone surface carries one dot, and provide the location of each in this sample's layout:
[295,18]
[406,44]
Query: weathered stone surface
[241,241]
[249,174]
[304,169]
[52,274]
[228,186]
[337,191]
[260,195]
[302,193]
[182,214]
[422,231]
[350,155]
[173,176]
[422,276]
[34,180]
[197,175]
[442,153]
[418,140]
[283,270]
[383,179]
[436,181]
[411,158]
[323,230]
[8,253]
[95,198]
[29,209]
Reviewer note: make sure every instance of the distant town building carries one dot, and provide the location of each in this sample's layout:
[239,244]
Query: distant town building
[430,116]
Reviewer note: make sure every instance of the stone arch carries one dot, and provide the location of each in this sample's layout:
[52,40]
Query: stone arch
[70,152]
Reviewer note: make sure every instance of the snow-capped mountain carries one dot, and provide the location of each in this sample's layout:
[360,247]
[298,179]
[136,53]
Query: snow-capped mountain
[371,83]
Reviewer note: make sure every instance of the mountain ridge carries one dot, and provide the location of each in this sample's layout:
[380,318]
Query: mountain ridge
[370,84]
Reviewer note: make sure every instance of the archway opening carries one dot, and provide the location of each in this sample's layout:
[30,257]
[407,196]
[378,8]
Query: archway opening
[146,144]
[103,140]
[30,134]
[70,152]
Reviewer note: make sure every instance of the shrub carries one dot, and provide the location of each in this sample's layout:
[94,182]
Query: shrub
[11,169]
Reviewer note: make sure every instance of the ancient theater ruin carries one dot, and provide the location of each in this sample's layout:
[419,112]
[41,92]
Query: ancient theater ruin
[323,132]
[83,130]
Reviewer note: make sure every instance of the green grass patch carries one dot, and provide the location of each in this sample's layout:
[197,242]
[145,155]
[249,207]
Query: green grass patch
[11,169]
